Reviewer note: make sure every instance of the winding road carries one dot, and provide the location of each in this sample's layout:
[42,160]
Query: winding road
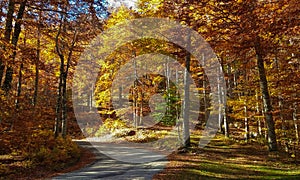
[105,167]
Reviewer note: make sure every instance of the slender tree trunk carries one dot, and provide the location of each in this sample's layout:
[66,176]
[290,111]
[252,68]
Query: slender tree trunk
[38,52]
[9,20]
[141,111]
[272,143]
[90,99]
[135,94]
[259,129]
[178,109]
[226,126]
[205,97]
[167,74]
[59,103]
[7,34]
[61,106]
[295,122]
[246,119]
[220,99]
[229,93]
[265,124]
[57,128]
[64,88]
[186,102]
[134,106]
[15,38]
[64,106]
[247,133]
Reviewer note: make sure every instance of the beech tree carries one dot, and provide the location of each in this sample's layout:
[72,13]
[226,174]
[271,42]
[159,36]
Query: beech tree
[12,38]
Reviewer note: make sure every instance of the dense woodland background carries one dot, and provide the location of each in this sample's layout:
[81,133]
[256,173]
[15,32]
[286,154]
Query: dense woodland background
[256,42]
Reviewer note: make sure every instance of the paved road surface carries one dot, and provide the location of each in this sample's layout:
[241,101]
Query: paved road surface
[107,168]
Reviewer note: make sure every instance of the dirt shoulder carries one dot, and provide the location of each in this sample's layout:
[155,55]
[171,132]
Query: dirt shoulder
[17,168]
[87,157]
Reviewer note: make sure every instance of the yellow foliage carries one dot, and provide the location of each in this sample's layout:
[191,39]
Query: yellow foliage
[44,149]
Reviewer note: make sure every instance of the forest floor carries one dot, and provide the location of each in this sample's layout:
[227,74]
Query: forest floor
[226,159]
[22,172]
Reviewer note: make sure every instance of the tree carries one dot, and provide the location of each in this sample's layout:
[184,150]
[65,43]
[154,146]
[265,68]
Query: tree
[15,37]
[65,45]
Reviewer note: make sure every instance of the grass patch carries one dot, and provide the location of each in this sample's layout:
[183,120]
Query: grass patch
[224,158]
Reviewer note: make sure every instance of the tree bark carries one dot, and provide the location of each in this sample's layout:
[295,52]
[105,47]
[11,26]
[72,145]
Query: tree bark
[205,96]
[57,128]
[220,99]
[186,102]
[64,106]
[58,109]
[17,30]
[225,121]
[247,132]
[259,129]
[64,84]
[135,94]
[7,34]
[38,52]
[272,143]
[295,122]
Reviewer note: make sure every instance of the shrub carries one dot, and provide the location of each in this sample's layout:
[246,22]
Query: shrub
[111,126]
[43,149]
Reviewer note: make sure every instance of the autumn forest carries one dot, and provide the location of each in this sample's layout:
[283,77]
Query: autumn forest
[245,96]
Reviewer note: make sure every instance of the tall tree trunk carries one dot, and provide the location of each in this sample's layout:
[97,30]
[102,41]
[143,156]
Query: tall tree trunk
[167,74]
[64,106]
[15,38]
[220,108]
[9,20]
[229,93]
[259,129]
[61,106]
[205,97]
[178,109]
[38,52]
[64,84]
[57,127]
[135,94]
[7,34]
[141,111]
[246,118]
[90,99]
[186,102]
[247,132]
[295,122]
[225,119]
[272,143]
[58,115]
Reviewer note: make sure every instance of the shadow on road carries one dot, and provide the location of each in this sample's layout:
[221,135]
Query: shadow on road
[105,167]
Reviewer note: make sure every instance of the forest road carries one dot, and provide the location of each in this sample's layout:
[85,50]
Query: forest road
[105,167]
